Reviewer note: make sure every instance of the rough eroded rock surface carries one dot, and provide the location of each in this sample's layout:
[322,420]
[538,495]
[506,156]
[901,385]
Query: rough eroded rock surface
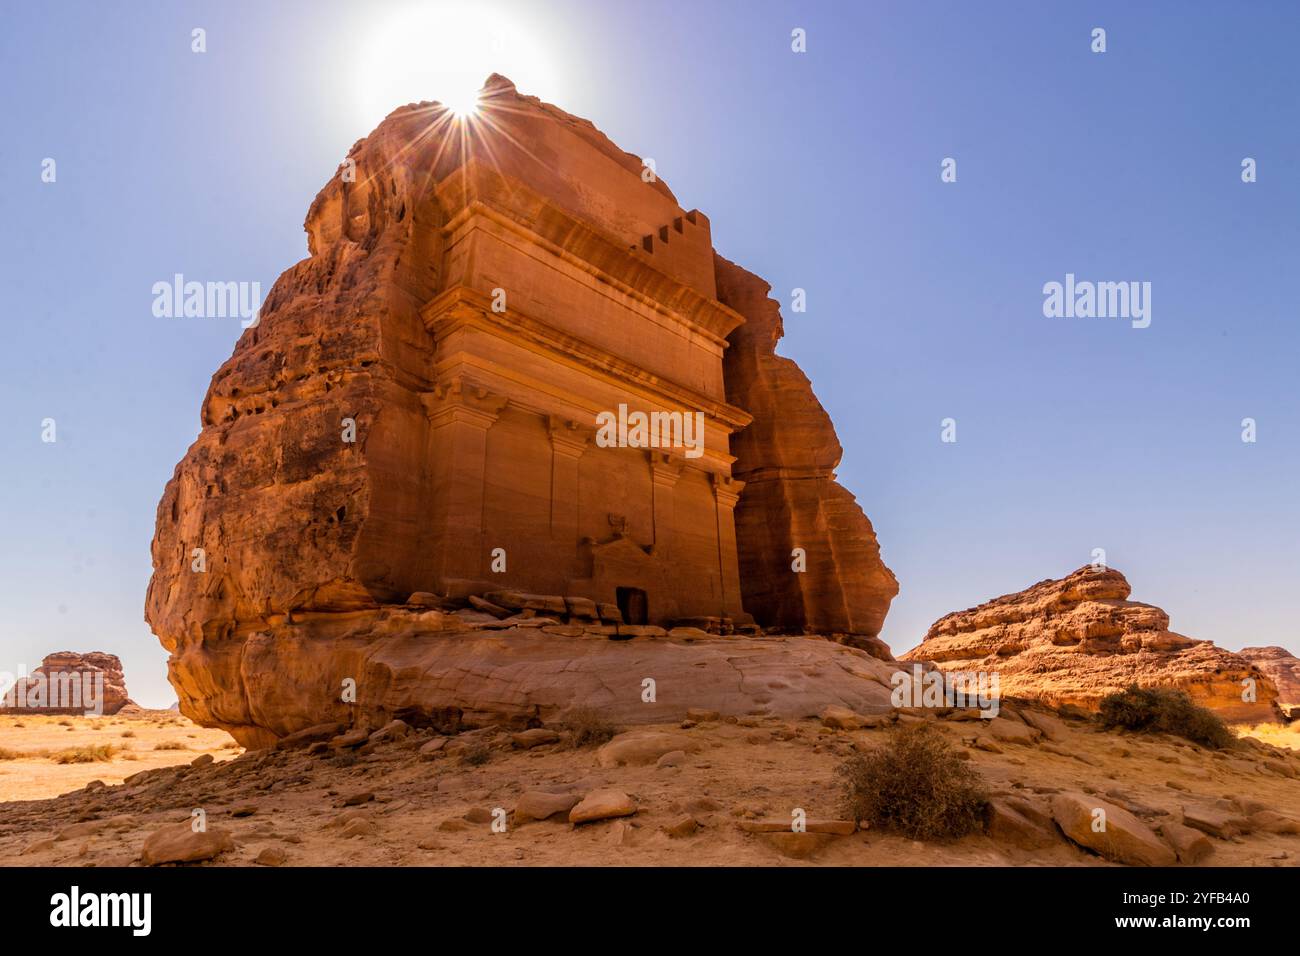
[384,427]
[1076,639]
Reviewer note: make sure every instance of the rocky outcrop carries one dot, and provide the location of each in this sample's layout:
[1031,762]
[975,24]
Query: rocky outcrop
[318,495]
[1282,667]
[1078,638]
[432,669]
[70,683]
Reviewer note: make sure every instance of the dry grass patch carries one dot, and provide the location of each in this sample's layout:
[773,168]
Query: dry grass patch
[91,754]
[586,727]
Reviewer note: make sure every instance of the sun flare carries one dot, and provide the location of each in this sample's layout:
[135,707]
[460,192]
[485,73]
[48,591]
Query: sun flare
[445,51]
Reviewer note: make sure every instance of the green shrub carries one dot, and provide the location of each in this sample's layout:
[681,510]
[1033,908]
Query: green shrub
[914,784]
[1165,710]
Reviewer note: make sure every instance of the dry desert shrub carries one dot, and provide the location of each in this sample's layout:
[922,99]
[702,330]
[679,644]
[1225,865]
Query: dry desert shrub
[128,733]
[1163,710]
[915,784]
[93,754]
[7,754]
[585,727]
[476,754]
[170,745]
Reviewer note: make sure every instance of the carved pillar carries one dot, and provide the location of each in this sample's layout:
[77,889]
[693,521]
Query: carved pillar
[664,472]
[460,413]
[726,492]
[568,443]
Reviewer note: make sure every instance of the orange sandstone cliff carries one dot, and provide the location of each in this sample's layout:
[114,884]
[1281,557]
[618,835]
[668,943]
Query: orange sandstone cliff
[399,486]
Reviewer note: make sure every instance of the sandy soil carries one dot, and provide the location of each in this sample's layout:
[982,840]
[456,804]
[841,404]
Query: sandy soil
[422,810]
[32,746]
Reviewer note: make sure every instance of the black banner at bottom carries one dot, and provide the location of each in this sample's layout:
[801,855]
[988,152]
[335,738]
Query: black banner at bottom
[286,907]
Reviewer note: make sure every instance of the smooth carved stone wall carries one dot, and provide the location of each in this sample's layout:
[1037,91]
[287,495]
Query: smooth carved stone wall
[474,423]
[1075,639]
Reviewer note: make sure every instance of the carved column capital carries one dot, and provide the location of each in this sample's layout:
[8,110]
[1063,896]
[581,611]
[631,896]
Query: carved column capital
[461,399]
[726,490]
[664,468]
[568,438]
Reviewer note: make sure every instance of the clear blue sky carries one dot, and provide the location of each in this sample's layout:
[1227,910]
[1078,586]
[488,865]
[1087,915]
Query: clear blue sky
[819,171]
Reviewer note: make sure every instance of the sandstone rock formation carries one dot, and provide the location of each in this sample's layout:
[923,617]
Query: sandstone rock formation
[1076,639]
[787,458]
[1282,667]
[413,422]
[70,683]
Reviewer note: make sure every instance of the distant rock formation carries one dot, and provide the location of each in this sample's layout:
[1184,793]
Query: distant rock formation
[1282,667]
[1076,639]
[70,683]
[415,416]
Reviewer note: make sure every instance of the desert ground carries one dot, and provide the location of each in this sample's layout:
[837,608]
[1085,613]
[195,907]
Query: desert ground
[44,756]
[702,793]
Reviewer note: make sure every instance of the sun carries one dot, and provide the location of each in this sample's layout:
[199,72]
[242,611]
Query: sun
[444,52]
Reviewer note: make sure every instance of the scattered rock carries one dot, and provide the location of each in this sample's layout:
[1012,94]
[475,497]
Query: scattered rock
[1053,728]
[1270,821]
[1124,839]
[536,737]
[309,735]
[1019,823]
[271,856]
[353,738]
[602,805]
[432,747]
[1221,824]
[642,747]
[1011,731]
[674,758]
[1192,846]
[359,826]
[393,730]
[180,843]
[540,805]
[797,846]
[840,718]
[684,827]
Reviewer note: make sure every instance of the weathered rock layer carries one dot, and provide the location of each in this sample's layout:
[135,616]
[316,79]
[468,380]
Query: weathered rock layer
[432,669]
[1078,638]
